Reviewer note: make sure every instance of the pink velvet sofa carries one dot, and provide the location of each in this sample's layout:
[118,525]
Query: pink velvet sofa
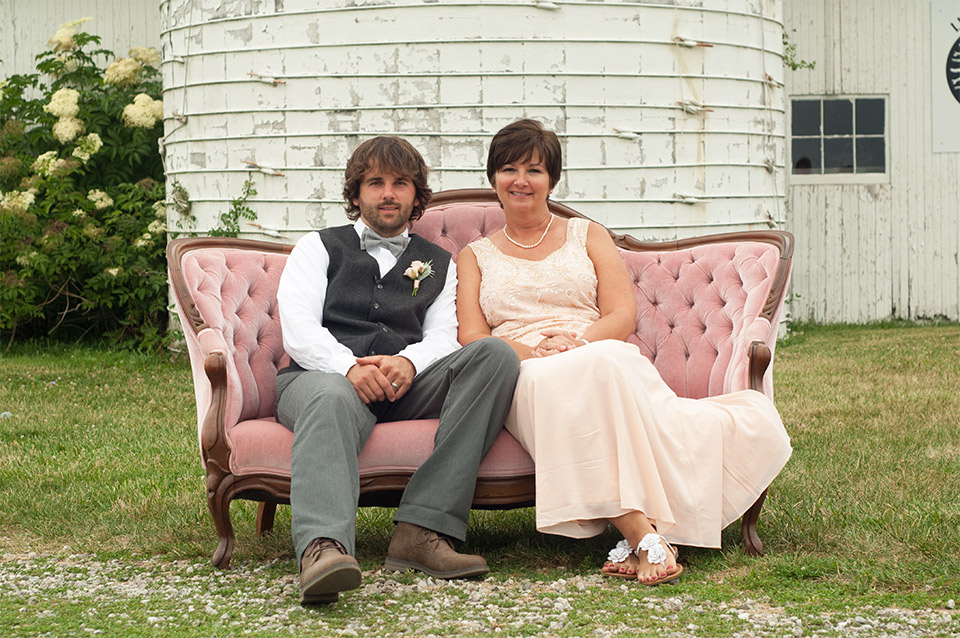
[708,313]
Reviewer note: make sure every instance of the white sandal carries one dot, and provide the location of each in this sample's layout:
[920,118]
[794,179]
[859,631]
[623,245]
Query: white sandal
[620,554]
[656,555]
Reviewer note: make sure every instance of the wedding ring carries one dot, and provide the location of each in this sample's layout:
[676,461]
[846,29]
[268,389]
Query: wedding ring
[395,386]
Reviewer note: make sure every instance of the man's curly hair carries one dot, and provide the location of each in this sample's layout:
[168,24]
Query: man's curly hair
[386,153]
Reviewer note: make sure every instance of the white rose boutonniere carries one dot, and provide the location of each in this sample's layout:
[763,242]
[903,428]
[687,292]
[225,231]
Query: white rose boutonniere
[418,271]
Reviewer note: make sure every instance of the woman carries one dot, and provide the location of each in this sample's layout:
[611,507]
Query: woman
[611,442]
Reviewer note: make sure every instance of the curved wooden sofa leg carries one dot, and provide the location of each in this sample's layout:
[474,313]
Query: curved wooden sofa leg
[749,527]
[218,500]
[266,512]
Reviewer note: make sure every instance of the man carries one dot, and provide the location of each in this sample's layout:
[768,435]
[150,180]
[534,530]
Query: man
[368,317]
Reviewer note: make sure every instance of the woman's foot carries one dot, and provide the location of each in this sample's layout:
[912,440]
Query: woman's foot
[658,560]
[622,562]
[654,563]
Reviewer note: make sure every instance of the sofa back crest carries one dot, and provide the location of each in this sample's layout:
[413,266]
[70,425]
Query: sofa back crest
[689,303]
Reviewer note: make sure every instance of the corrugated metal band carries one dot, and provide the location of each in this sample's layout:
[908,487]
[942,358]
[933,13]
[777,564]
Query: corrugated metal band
[469,169]
[433,6]
[472,136]
[468,41]
[475,105]
[667,200]
[480,74]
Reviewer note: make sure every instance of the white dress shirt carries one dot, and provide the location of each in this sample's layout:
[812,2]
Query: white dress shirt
[303,289]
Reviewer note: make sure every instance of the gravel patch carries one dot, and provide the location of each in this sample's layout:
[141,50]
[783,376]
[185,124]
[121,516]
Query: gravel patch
[112,597]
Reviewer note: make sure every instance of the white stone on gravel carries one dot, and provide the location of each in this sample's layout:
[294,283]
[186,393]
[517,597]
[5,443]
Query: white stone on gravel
[250,597]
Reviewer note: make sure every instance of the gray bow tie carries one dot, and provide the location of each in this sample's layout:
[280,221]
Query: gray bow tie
[369,239]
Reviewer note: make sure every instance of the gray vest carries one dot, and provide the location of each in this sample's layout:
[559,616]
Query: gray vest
[371,314]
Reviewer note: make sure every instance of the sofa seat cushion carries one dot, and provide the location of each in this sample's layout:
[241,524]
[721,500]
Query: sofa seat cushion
[263,446]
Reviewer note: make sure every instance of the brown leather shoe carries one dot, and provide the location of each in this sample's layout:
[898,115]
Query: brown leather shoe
[415,547]
[325,570]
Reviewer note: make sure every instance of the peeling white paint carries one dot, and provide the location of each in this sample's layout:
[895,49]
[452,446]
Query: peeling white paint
[870,251]
[447,75]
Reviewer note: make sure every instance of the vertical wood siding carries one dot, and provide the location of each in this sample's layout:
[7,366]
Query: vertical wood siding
[873,251]
[27,25]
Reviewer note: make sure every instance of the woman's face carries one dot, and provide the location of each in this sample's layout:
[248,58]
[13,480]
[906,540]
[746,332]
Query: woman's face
[523,186]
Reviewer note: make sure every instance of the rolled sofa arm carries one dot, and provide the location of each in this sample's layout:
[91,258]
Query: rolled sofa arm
[214,348]
[744,372]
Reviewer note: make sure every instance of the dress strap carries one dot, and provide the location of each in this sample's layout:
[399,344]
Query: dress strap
[577,230]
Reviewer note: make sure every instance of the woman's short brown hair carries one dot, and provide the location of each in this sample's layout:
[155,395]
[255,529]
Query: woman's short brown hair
[386,153]
[516,143]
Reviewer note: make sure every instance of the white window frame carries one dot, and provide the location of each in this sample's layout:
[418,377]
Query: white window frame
[840,178]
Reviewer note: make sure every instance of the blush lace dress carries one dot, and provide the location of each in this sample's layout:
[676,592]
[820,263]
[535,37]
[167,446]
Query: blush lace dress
[607,434]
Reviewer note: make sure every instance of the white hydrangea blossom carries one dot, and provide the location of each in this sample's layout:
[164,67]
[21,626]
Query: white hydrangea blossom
[92,232]
[17,202]
[63,103]
[67,129]
[147,56]
[157,227]
[44,164]
[123,72]
[160,208]
[79,214]
[25,260]
[100,199]
[63,40]
[144,112]
[87,146]
[141,243]
[113,272]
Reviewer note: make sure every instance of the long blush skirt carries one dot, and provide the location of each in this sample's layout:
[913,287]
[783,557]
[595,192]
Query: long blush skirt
[609,436]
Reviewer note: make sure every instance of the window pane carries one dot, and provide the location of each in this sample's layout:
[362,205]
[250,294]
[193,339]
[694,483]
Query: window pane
[837,117]
[869,117]
[870,155]
[806,156]
[838,155]
[805,117]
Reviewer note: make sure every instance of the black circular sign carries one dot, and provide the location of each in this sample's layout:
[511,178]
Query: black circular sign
[953,70]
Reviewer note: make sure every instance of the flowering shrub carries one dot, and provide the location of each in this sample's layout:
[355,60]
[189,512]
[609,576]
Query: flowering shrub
[82,221]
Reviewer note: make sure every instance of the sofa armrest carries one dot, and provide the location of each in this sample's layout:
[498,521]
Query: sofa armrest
[760,358]
[750,358]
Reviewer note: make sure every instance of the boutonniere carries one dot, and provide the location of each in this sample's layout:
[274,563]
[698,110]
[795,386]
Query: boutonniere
[418,271]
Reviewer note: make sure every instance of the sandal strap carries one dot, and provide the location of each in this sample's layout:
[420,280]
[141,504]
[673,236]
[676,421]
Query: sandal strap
[621,552]
[656,555]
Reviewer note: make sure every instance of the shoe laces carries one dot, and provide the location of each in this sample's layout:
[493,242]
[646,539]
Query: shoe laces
[428,536]
[319,545]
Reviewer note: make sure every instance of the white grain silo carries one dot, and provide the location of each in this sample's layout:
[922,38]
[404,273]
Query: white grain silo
[669,110]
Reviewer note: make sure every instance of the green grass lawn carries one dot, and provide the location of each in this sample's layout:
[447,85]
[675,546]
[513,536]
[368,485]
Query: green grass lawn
[99,456]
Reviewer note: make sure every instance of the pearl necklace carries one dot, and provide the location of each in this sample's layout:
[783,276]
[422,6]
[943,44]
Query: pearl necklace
[539,241]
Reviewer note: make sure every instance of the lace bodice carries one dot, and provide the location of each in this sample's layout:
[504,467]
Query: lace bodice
[520,297]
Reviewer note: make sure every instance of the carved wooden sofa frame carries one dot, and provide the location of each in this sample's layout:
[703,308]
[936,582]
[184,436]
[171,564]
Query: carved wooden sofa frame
[225,294]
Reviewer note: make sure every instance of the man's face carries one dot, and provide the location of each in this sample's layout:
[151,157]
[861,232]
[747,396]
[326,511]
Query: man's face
[386,201]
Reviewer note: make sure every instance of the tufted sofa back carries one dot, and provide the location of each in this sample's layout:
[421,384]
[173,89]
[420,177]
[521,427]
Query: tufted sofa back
[690,301]
[229,299]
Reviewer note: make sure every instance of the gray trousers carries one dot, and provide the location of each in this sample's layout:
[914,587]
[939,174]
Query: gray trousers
[470,390]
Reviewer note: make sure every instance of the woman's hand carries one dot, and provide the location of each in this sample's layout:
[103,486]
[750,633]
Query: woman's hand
[556,341]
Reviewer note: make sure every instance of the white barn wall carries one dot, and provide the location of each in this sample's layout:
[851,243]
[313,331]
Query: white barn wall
[873,251]
[607,76]
[27,25]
